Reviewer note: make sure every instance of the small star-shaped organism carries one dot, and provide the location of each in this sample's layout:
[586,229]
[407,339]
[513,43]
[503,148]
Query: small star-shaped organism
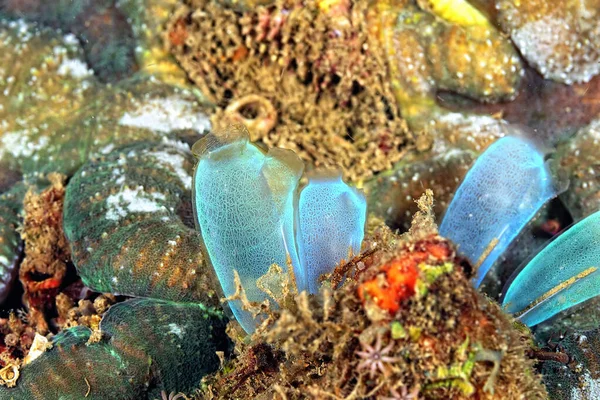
[375,358]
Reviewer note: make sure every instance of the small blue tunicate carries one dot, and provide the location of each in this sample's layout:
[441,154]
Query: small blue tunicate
[562,275]
[244,205]
[503,190]
[331,221]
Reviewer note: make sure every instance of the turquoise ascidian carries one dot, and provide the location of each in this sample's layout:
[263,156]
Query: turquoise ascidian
[503,190]
[244,204]
[562,275]
[331,221]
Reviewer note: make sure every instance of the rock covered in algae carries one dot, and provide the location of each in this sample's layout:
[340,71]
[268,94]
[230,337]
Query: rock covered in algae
[579,158]
[140,109]
[119,38]
[443,341]
[399,57]
[40,91]
[128,220]
[100,27]
[54,115]
[145,346]
[458,53]
[323,83]
[559,38]
[442,46]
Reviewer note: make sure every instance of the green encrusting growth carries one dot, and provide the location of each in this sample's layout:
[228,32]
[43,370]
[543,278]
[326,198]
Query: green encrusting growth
[146,346]
[128,221]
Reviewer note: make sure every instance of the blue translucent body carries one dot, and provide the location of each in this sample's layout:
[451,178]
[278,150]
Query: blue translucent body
[331,219]
[251,216]
[244,202]
[562,275]
[503,190]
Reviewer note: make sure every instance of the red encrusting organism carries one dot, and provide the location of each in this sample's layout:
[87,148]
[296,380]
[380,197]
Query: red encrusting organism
[400,275]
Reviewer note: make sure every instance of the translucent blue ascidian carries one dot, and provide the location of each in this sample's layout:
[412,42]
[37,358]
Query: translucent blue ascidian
[503,190]
[246,208]
[244,202]
[562,275]
[331,219]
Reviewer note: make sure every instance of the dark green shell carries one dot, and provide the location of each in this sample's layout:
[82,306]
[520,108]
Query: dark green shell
[181,340]
[71,368]
[128,220]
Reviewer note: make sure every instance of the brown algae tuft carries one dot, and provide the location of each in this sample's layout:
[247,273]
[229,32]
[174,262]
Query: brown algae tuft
[314,65]
[46,250]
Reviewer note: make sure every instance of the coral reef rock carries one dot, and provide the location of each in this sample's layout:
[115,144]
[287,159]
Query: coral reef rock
[559,38]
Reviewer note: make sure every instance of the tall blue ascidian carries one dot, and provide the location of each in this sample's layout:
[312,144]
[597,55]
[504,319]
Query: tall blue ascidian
[500,194]
[251,216]
[565,273]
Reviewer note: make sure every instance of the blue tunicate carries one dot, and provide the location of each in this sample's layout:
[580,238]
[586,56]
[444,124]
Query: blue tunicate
[244,204]
[562,275]
[331,219]
[503,190]
[251,216]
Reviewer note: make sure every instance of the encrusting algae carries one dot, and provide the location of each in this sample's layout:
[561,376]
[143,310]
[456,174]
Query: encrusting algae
[559,38]
[300,75]
[439,339]
[341,82]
